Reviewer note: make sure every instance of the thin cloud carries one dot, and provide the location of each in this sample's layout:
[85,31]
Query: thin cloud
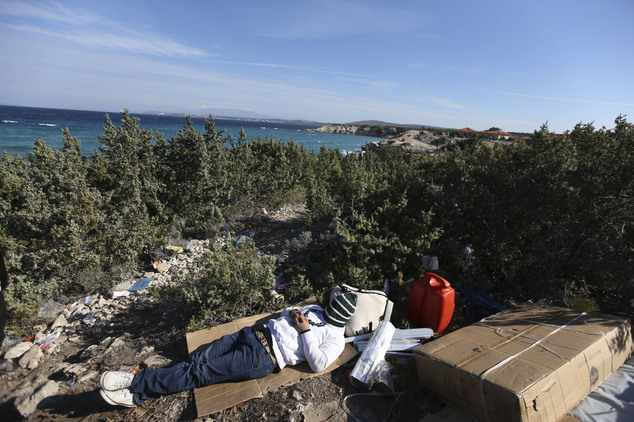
[573,100]
[91,31]
[295,67]
[53,12]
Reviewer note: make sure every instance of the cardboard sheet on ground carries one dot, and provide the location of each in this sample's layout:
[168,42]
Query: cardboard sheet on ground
[215,398]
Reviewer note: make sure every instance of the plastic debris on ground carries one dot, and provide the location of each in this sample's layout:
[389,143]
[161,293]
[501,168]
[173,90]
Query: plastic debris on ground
[173,250]
[402,340]
[584,304]
[239,240]
[468,259]
[613,400]
[430,263]
[481,304]
[141,284]
[89,319]
[49,340]
[372,366]
[157,254]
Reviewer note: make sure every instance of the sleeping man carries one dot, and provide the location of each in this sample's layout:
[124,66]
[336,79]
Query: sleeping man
[310,334]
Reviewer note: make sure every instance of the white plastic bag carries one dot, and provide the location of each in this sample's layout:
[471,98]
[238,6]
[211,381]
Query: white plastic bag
[372,365]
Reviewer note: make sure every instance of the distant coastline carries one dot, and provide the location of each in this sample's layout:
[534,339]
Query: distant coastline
[415,139]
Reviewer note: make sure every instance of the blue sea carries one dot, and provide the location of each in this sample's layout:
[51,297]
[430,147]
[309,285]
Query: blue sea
[21,126]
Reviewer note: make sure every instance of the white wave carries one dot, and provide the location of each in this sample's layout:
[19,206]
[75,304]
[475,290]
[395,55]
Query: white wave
[9,121]
[47,124]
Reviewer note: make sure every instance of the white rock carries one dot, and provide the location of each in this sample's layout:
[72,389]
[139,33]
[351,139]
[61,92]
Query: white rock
[59,322]
[146,350]
[90,375]
[39,337]
[157,361]
[116,344]
[18,350]
[89,352]
[163,267]
[27,404]
[31,358]
[75,370]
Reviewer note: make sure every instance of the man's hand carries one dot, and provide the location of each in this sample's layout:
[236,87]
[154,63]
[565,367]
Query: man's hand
[299,321]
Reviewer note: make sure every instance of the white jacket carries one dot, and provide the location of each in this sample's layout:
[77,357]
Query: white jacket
[320,346]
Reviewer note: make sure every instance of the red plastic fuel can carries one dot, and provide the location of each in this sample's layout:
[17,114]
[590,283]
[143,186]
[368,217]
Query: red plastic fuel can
[431,303]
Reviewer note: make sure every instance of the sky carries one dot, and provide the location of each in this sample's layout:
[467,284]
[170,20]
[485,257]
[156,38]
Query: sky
[516,65]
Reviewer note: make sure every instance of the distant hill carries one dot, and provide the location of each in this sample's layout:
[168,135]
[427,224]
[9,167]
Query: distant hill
[381,123]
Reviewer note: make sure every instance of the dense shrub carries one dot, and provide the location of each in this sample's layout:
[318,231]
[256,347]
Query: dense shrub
[233,283]
[551,217]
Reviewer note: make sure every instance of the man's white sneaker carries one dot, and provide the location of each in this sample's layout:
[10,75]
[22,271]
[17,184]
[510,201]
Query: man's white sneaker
[121,397]
[115,380]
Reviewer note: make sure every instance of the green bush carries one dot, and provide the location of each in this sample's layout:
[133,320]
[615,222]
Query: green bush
[233,283]
[551,217]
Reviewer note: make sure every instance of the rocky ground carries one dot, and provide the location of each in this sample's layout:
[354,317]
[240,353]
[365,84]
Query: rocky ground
[421,142]
[60,365]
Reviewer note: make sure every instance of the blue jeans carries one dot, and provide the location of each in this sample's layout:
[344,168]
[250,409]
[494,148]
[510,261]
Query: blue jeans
[234,357]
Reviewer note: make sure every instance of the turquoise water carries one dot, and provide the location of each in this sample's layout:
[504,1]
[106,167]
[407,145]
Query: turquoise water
[21,126]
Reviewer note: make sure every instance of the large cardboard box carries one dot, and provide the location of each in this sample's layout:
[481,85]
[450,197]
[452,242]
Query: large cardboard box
[529,363]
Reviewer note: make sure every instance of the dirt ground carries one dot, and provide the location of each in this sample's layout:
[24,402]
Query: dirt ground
[144,322]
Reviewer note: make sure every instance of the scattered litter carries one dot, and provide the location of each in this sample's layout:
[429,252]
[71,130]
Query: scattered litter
[120,294]
[399,333]
[48,340]
[77,310]
[430,263]
[173,250]
[402,340]
[471,262]
[584,304]
[481,304]
[157,254]
[239,240]
[349,396]
[89,319]
[372,365]
[86,300]
[141,284]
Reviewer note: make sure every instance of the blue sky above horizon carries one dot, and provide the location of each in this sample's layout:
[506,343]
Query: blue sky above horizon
[514,65]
